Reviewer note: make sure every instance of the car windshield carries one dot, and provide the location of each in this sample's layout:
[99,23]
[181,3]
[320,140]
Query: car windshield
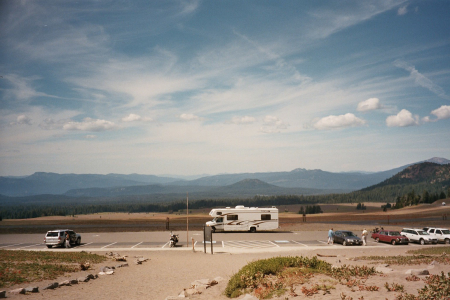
[394,233]
[348,233]
[52,233]
[446,231]
[422,232]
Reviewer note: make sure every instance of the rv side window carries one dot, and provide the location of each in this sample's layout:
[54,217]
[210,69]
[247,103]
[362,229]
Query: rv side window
[266,217]
[232,217]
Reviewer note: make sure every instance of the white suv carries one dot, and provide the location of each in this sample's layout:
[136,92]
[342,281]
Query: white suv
[442,234]
[57,237]
[419,236]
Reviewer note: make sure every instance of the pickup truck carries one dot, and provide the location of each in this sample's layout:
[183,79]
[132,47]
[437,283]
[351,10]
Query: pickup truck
[442,234]
[390,236]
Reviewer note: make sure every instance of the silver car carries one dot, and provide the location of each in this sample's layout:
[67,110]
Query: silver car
[57,237]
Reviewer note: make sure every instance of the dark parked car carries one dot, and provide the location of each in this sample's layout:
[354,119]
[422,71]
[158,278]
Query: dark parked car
[389,236]
[345,238]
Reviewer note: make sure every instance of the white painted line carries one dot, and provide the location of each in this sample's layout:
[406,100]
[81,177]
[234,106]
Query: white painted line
[280,242]
[85,244]
[223,244]
[323,242]
[165,245]
[137,245]
[274,244]
[11,245]
[299,243]
[27,246]
[108,245]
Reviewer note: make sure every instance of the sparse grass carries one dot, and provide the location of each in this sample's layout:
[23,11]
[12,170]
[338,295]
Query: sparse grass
[408,259]
[28,266]
[431,251]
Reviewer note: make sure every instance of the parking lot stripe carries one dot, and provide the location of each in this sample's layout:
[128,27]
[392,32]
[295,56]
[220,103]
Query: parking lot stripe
[85,244]
[295,242]
[27,246]
[11,245]
[109,245]
[137,244]
[274,244]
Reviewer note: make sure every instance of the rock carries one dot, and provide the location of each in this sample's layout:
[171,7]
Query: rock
[85,266]
[419,272]
[73,281]
[140,260]
[122,265]
[65,283]
[17,291]
[31,289]
[190,292]
[83,279]
[91,276]
[2,294]
[51,286]
[219,279]
[106,269]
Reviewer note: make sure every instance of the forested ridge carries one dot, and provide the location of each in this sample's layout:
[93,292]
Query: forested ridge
[423,183]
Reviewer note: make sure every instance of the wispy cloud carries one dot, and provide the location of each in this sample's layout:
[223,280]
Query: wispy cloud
[338,122]
[369,104]
[89,124]
[420,79]
[189,117]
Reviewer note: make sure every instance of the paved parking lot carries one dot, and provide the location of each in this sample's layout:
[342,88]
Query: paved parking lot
[159,241]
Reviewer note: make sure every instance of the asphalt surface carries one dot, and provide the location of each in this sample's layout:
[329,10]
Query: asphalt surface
[222,242]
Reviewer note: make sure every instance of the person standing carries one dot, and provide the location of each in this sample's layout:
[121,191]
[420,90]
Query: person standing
[67,240]
[364,237]
[330,236]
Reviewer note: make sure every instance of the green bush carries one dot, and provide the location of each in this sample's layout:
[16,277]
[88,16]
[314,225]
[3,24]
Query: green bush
[252,274]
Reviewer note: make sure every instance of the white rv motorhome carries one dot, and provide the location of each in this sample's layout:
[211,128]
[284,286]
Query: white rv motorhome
[243,218]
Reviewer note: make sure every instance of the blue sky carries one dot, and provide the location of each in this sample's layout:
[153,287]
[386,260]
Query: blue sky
[209,87]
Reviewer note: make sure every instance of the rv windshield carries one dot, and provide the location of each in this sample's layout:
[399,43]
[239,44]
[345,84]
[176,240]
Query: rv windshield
[218,220]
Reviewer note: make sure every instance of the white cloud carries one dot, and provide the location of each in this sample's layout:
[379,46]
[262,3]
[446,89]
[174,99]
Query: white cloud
[22,120]
[369,104]
[132,118]
[336,122]
[242,120]
[90,136]
[272,124]
[189,117]
[89,124]
[402,10]
[403,119]
[442,112]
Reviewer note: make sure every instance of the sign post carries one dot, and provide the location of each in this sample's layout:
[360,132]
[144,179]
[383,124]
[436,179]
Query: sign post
[207,236]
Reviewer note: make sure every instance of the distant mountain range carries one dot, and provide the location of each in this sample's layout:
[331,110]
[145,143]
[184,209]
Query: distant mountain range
[296,182]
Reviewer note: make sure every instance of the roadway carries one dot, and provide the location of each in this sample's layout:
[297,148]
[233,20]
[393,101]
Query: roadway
[222,242]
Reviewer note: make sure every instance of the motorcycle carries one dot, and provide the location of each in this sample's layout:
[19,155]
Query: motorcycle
[173,240]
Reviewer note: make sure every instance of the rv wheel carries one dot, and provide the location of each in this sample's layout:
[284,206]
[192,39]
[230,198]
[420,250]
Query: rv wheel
[252,229]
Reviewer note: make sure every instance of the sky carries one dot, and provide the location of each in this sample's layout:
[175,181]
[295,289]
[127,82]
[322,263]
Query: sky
[212,87]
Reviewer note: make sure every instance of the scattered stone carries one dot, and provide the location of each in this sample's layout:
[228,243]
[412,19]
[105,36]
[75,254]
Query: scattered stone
[91,276]
[2,294]
[106,269]
[191,292]
[31,289]
[140,260]
[420,272]
[117,256]
[17,291]
[122,265]
[51,286]
[85,266]
[65,283]
[73,281]
[83,279]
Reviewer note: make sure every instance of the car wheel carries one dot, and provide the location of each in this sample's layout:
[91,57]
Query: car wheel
[344,243]
[78,241]
[252,229]
[377,240]
[422,241]
[49,246]
[393,242]
[447,241]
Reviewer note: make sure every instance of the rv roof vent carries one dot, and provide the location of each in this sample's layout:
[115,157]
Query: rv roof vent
[240,206]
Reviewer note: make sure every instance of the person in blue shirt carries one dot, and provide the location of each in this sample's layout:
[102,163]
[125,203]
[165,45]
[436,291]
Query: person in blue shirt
[330,236]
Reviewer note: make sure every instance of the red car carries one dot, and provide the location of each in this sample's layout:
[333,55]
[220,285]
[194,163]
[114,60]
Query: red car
[390,236]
